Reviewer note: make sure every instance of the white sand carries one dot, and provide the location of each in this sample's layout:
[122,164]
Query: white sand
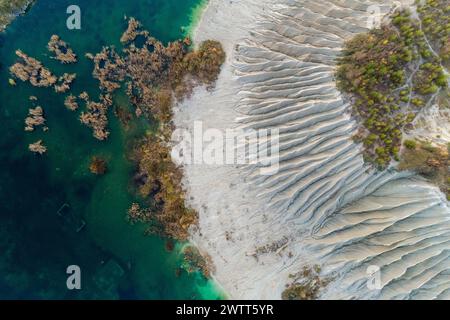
[279,74]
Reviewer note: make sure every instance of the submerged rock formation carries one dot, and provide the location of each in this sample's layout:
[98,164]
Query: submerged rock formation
[138,214]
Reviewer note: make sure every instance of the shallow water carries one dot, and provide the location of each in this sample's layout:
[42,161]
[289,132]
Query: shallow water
[37,244]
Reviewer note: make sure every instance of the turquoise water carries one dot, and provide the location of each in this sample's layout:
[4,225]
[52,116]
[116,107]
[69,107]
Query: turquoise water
[117,261]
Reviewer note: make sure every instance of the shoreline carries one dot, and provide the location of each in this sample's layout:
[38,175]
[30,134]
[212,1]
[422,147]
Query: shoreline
[205,30]
[196,16]
[134,250]
[9,18]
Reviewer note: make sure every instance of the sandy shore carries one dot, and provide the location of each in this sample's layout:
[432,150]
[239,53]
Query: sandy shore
[323,205]
[18,8]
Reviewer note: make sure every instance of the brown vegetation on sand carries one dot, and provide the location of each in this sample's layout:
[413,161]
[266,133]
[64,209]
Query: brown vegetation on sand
[431,162]
[195,261]
[306,285]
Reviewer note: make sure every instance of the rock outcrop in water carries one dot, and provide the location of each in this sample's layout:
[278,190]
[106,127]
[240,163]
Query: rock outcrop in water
[32,70]
[194,261]
[155,75]
[134,30]
[109,69]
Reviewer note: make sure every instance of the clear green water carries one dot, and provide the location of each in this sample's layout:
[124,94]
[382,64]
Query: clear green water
[36,244]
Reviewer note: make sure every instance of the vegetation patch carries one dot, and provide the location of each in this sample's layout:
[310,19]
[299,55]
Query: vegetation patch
[37,147]
[429,161]
[98,166]
[156,76]
[390,74]
[435,16]
[306,284]
[32,70]
[159,183]
[194,261]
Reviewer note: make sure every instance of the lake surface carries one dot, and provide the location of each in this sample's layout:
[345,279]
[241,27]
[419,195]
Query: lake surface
[45,200]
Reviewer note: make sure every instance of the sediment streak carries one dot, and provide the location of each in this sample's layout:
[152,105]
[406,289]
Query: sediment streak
[324,206]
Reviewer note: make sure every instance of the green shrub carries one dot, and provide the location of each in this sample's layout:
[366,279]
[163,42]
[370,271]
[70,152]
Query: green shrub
[410,144]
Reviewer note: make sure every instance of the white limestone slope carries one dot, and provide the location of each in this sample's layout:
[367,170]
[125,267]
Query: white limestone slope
[323,206]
